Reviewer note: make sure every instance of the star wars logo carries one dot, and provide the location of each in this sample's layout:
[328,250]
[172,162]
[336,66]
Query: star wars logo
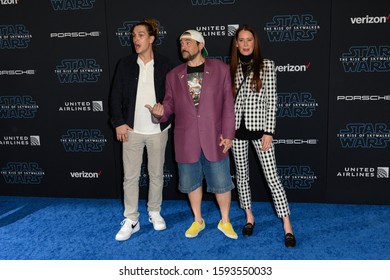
[370,59]
[22,173]
[144,177]
[17,107]
[296,105]
[66,5]
[211,2]
[14,37]
[296,177]
[78,71]
[126,39]
[83,141]
[292,28]
[364,135]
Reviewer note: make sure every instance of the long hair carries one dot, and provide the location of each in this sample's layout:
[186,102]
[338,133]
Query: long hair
[257,64]
[151,26]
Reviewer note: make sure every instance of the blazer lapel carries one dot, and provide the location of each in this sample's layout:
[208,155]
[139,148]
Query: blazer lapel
[207,76]
[182,76]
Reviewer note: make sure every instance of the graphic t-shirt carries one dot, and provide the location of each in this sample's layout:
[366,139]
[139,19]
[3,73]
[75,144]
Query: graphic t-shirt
[194,79]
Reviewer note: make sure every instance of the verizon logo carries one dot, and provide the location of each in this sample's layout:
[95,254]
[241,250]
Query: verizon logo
[370,19]
[86,175]
[293,68]
[8,2]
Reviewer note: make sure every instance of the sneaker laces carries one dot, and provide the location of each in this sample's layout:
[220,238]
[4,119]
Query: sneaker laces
[126,222]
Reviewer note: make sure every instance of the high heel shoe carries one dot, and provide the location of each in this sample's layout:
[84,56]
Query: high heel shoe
[248,229]
[289,240]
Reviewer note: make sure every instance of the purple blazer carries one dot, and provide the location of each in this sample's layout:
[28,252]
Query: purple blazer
[200,130]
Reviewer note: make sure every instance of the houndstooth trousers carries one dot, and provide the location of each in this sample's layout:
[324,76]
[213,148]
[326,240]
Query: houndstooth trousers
[268,163]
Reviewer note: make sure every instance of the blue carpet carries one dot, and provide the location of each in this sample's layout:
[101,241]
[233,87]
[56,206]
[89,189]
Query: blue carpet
[34,228]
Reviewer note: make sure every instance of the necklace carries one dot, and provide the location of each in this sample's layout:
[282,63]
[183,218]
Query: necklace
[245,63]
[246,67]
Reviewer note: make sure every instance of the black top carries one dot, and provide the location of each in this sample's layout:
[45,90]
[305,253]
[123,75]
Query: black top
[195,69]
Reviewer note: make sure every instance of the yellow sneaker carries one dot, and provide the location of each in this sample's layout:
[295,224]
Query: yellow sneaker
[195,228]
[227,229]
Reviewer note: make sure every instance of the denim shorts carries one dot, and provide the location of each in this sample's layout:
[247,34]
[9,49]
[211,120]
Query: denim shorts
[217,174]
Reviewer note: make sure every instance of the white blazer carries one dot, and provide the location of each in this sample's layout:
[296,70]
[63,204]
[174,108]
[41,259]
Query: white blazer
[257,108]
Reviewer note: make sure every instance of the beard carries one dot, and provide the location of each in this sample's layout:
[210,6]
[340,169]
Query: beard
[189,57]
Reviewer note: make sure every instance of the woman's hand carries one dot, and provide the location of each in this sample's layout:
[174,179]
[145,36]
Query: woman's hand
[266,142]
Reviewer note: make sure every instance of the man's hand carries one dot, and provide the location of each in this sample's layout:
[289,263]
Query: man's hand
[226,143]
[157,110]
[122,132]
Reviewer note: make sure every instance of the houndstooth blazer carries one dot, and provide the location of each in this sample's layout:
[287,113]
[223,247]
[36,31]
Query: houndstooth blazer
[257,108]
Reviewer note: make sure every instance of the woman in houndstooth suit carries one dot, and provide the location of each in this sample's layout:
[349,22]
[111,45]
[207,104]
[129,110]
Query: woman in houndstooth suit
[254,89]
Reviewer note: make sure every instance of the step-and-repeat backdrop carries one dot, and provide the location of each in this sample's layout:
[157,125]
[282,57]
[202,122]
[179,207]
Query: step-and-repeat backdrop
[58,59]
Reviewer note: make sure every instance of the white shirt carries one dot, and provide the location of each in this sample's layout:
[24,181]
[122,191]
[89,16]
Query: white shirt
[145,95]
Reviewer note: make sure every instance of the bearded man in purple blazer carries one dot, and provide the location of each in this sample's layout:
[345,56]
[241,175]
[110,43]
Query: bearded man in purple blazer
[199,94]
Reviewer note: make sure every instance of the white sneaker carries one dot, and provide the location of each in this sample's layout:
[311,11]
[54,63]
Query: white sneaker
[128,228]
[157,221]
